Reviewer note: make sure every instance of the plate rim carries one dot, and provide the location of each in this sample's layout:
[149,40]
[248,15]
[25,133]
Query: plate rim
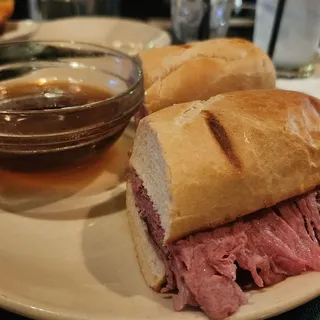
[162,33]
[20,23]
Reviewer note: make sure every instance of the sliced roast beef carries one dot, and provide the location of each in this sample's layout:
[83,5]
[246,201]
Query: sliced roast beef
[155,232]
[270,245]
[141,113]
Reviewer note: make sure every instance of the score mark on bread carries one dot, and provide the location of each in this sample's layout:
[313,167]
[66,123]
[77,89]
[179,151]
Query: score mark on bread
[220,134]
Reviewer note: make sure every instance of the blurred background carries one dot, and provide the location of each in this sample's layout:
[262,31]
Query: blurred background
[139,9]
[155,11]
[291,40]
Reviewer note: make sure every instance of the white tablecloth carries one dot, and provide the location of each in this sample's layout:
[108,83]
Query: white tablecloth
[310,85]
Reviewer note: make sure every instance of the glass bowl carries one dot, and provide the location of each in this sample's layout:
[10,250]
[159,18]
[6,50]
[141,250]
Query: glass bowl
[62,103]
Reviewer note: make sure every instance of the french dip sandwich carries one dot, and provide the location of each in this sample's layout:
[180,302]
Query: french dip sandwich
[201,70]
[223,195]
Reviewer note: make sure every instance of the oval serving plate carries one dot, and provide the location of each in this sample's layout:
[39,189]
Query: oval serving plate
[127,35]
[79,263]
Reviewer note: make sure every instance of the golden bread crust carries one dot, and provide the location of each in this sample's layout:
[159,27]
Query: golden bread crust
[231,155]
[200,70]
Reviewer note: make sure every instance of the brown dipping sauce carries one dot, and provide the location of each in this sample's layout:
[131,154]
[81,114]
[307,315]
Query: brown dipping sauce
[52,95]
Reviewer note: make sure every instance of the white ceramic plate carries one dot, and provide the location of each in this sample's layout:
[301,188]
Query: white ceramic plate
[127,35]
[79,262]
[18,30]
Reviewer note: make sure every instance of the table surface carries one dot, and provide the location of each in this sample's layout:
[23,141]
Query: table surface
[309,311]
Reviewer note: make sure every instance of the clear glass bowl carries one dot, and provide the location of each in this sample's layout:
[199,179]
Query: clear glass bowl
[35,135]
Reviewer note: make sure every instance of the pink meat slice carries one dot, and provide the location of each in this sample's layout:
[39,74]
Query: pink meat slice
[208,267]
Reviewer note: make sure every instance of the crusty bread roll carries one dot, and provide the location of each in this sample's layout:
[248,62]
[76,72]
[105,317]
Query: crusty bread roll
[200,70]
[207,163]
[6,11]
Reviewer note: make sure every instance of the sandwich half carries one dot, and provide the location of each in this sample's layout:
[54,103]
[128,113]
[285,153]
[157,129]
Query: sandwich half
[223,196]
[201,70]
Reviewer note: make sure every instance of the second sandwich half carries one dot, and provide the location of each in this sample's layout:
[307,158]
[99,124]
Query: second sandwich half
[201,70]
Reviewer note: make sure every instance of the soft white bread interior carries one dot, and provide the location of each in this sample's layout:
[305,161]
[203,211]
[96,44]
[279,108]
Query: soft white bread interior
[207,163]
[151,266]
[200,70]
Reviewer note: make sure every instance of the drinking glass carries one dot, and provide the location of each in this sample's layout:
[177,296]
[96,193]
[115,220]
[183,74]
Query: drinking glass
[53,9]
[188,16]
[298,35]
